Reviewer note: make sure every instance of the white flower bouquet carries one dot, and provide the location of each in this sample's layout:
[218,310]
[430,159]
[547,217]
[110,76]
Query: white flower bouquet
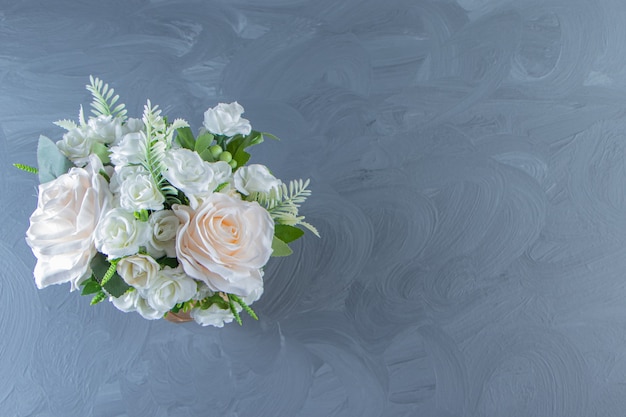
[156,220]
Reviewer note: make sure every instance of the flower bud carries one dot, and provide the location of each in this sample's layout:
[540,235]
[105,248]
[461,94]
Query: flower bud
[216,150]
[226,156]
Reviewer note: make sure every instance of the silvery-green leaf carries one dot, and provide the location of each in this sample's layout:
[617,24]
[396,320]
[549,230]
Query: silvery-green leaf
[52,163]
[280,248]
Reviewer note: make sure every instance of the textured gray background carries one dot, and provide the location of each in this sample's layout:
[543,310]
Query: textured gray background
[468,166]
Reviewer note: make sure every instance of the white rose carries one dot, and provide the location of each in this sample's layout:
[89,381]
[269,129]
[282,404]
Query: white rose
[254,178]
[133,301]
[225,119]
[126,302]
[186,171]
[171,286]
[221,173]
[77,145]
[122,173]
[61,232]
[146,310]
[213,316]
[119,234]
[105,129]
[216,316]
[139,192]
[163,225]
[138,270]
[130,150]
[130,126]
[224,243]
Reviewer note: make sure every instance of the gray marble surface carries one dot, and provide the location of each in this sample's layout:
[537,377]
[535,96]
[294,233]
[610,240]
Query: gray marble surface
[468,165]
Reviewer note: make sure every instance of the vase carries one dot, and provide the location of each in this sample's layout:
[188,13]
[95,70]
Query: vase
[179,317]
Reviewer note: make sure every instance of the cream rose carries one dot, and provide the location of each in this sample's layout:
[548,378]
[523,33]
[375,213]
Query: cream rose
[171,286]
[120,234]
[224,243]
[61,232]
[140,192]
[138,270]
[163,225]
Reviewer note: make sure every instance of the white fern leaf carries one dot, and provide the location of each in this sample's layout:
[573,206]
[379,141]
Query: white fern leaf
[81,116]
[104,100]
[310,227]
[66,124]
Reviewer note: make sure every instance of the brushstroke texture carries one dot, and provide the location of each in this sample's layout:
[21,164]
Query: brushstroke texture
[468,171]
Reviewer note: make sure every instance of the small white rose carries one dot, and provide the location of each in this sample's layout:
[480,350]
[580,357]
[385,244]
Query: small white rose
[216,316]
[130,126]
[122,173]
[221,175]
[139,192]
[119,234]
[126,302]
[61,232]
[146,311]
[77,144]
[138,270]
[224,243]
[105,128]
[213,316]
[163,225]
[225,119]
[130,150]
[171,286]
[255,178]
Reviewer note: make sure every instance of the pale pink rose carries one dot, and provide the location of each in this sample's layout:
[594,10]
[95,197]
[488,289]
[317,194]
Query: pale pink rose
[61,232]
[224,243]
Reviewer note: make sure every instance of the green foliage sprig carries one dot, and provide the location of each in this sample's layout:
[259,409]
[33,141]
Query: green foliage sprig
[26,168]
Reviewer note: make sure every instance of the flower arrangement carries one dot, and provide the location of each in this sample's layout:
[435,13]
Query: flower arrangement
[156,220]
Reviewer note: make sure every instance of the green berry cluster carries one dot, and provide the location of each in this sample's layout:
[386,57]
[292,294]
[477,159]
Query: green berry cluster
[218,153]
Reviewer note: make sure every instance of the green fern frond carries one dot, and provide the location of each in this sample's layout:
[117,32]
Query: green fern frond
[233,309]
[100,296]
[26,168]
[103,99]
[245,306]
[110,272]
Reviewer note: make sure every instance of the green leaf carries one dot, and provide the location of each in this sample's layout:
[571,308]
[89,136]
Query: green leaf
[91,286]
[203,142]
[280,248]
[185,138]
[269,135]
[214,299]
[287,233]
[116,286]
[171,262]
[52,163]
[239,143]
[206,155]
[102,151]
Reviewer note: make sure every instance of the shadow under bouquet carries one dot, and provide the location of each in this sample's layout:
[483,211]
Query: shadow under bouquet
[157,220]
